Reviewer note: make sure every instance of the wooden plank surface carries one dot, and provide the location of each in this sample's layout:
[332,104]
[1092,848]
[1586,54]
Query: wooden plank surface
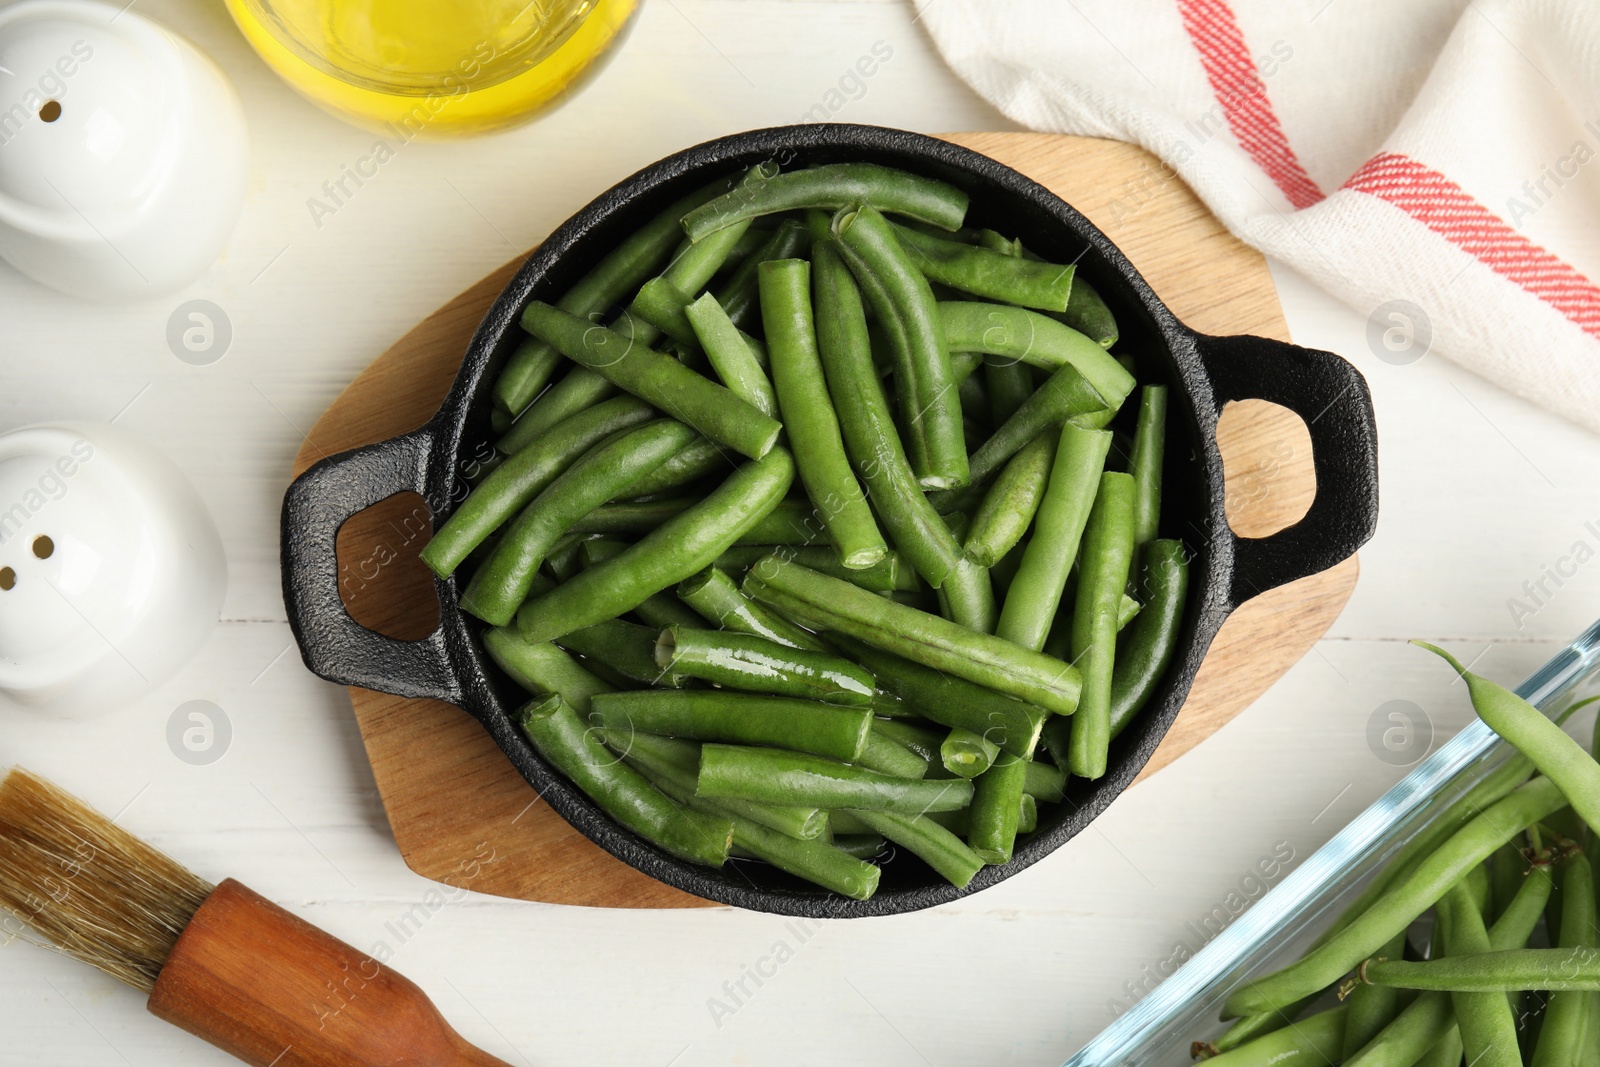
[452,798]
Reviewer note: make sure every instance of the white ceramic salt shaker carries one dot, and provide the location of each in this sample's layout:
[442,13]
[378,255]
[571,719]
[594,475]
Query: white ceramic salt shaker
[111,569]
[123,155]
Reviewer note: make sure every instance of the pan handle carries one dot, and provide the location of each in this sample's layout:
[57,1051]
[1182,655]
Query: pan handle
[1332,398]
[333,645]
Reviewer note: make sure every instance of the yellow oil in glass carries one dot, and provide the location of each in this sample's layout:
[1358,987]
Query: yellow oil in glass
[432,68]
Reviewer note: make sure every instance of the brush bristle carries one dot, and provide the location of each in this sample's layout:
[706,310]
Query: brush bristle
[88,887]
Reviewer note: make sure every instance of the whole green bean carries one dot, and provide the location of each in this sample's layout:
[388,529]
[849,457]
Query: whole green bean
[808,416]
[1488,1031]
[996,803]
[715,596]
[738,718]
[1551,749]
[822,603]
[743,661]
[1562,1037]
[740,294]
[524,476]
[1035,339]
[673,765]
[834,186]
[607,282]
[501,583]
[1370,1008]
[678,548]
[625,647]
[729,355]
[1468,847]
[544,669]
[952,702]
[870,437]
[1087,313]
[967,754]
[1107,556]
[567,743]
[656,378]
[1064,397]
[1144,655]
[930,406]
[1149,447]
[1553,969]
[1311,1041]
[990,274]
[940,849]
[1059,527]
[1009,506]
[773,776]
[888,756]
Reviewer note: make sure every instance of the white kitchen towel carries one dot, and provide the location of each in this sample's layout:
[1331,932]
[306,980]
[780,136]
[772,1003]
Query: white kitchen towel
[1430,162]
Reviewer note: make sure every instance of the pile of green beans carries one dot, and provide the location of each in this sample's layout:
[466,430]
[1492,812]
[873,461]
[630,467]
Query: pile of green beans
[1477,944]
[787,578]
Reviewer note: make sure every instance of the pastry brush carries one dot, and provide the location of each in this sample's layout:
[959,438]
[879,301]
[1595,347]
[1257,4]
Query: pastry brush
[222,962]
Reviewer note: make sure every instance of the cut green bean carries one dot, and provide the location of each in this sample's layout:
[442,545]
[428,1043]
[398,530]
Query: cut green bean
[715,596]
[1107,557]
[1063,515]
[823,603]
[740,295]
[997,801]
[834,186]
[524,476]
[625,647]
[528,370]
[661,304]
[940,849]
[1064,397]
[967,754]
[870,436]
[657,379]
[773,776]
[684,544]
[967,598]
[499,586]
[1035,339]
[808,416]
[861,846]
[930,406]
[1149,447]
[1014,725]
[730,356]
[888,756]
[578,390]
[698,459]
[543,670]
[1009,506]
[737,718]
[1087,313]
[1144,655]
[566,742]
[1045,781]
[755,664]
[1391,913]
[663,610]
[987,273]
[674,765]
[919,740]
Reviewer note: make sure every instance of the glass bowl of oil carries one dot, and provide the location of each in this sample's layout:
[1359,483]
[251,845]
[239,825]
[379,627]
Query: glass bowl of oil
[423,69]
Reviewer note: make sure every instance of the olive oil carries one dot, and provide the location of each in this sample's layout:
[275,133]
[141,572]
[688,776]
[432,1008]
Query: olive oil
[431,68]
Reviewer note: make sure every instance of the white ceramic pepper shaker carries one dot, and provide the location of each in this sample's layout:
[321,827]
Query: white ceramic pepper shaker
[123,154]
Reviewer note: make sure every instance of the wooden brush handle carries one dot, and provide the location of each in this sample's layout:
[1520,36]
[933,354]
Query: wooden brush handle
[273,990]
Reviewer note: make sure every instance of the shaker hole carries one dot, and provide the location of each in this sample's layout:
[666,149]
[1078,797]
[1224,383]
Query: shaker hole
[8,578]
[43,546]
[51,110]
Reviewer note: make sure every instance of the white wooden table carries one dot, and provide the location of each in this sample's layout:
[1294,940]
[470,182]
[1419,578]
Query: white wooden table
[1480,491]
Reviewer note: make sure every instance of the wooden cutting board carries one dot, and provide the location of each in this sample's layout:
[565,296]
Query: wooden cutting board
[462,815]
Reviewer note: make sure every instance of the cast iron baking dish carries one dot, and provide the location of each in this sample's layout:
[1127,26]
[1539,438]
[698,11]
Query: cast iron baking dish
[1204,373]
